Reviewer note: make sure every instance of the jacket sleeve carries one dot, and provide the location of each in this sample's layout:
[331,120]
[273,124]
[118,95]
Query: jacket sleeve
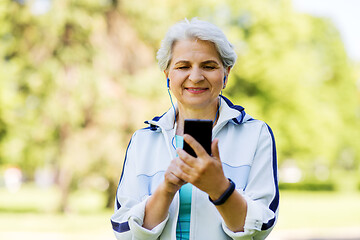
[261,192]
[129,212]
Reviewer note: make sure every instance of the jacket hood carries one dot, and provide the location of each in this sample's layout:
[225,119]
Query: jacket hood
[228,113]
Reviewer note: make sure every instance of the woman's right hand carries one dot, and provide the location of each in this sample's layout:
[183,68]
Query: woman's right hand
[171,181]
[157,206]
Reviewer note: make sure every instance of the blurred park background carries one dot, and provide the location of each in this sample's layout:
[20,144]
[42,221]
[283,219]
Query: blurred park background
[78,77]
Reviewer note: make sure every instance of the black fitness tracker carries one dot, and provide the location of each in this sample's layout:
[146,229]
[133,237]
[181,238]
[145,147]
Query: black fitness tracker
[222,199]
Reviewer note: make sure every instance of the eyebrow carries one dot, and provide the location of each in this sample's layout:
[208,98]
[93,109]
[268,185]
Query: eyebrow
[182,62]
[210,62]
[202,63]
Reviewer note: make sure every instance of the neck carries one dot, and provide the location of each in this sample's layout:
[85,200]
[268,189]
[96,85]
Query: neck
[185,113]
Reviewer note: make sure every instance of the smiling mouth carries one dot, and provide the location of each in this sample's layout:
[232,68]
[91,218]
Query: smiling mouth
[196,90]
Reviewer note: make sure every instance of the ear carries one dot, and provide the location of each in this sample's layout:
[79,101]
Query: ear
[167,79]
[226,77]
[228,70]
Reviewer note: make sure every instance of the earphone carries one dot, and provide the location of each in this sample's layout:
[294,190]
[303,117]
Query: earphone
[224,82]
[168,89]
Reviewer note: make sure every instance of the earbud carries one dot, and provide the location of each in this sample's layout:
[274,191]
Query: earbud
[224,81]
[168,89]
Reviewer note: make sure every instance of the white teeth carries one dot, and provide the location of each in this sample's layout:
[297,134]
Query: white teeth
[196,89]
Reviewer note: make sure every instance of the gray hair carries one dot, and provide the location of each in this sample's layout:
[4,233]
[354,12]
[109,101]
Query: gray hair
[197,29]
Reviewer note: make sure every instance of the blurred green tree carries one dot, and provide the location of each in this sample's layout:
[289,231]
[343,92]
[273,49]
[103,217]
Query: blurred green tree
[68,90]
[293,72]
[77,79]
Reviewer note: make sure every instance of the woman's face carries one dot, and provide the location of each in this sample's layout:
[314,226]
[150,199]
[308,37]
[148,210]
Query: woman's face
[196,74]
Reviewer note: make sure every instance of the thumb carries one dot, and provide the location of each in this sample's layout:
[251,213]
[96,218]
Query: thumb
[215,149]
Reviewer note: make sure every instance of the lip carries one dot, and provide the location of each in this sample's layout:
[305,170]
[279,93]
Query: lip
[194,90]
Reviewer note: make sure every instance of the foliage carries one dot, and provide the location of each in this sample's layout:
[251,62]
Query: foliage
[68,98]
[308,186]
[294,73]
[77,79]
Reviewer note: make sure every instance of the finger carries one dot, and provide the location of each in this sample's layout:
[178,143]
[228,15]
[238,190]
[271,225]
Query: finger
[176,180]
[172,172]
[195,145]
[172,182]
[215,149]
[176,169]
[185,157]
[173,179]
[182,176]
[183,165]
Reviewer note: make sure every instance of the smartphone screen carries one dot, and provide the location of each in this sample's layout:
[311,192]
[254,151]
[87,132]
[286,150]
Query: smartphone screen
[201,130]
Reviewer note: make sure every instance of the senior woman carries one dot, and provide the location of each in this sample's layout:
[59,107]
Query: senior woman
[165,193]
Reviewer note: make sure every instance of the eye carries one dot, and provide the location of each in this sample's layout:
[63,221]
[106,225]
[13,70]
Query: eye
[183,67]
[209,67]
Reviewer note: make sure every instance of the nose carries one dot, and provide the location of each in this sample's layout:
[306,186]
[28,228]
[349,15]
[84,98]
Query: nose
[196,75]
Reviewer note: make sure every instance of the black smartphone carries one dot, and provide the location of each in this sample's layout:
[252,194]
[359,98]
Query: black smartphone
[201,130]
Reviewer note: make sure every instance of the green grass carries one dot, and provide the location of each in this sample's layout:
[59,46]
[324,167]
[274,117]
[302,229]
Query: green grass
[30,213]
[45,222]
[31,199]
[28,200]
[319,210]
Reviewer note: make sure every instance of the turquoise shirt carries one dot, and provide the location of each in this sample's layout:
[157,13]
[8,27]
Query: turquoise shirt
[183,224]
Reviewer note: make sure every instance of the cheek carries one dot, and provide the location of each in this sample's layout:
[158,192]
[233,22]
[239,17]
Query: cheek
[176,80]
[175,86]
[218,81]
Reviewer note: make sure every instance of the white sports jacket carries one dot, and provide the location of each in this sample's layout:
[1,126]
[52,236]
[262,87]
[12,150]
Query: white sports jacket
[247,151]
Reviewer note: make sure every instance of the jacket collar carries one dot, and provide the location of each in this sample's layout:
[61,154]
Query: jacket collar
[228,112]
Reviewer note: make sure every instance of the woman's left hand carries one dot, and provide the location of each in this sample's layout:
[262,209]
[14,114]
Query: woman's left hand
[204,172]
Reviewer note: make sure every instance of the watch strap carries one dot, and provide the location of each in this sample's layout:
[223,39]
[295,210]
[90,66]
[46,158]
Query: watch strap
[222,199]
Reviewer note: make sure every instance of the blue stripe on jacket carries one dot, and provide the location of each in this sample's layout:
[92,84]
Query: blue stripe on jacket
[275,202]
[118,205]
[120,227]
